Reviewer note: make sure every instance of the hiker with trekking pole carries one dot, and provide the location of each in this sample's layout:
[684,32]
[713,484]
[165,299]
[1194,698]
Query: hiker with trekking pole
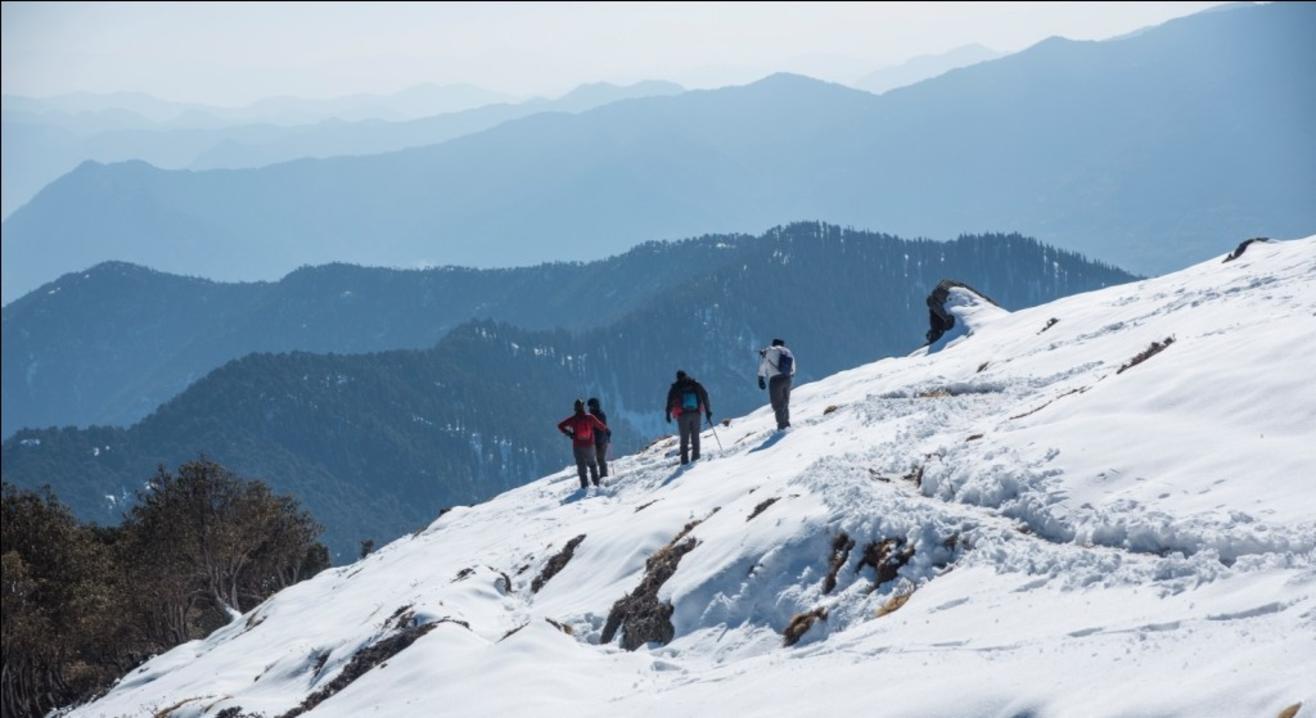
[687,399]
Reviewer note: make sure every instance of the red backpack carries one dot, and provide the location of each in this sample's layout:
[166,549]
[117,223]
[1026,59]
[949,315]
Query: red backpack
[584,428]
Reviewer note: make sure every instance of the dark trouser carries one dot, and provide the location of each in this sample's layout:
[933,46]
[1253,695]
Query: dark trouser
[601,451]
[689,425]
[779,392]
[585,458]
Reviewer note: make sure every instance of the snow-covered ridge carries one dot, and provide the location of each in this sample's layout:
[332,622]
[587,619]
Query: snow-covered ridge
[1111,513]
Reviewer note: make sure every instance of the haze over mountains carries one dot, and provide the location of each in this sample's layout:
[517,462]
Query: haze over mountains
[146,110]
[375,443]
[44,141]
[1148,151]
[923,67]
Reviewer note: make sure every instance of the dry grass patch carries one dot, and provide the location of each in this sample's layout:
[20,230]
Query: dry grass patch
[894,603]
[800,624]
[841,546]
[561,627]
[556,564]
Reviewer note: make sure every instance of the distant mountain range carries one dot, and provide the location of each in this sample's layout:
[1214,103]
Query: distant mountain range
[142,110]
[1149,151]
[374,444]
[924,67]
[41,146]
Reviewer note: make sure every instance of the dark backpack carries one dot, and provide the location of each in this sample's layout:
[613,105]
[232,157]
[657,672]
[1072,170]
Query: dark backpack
[689,399]
[785,363]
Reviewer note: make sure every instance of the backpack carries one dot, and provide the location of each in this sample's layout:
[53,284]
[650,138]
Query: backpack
[690,399]
[785,363]
[584,430]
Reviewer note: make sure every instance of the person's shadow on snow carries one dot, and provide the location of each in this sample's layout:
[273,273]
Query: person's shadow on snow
[770,442]
[575,496]
[680,470]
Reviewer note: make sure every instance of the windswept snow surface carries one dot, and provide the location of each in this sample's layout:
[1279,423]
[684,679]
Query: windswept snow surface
[1135,543]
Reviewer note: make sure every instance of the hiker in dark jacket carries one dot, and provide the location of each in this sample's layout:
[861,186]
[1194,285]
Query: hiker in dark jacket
[776,369]
[582,427]
[687,400]
[601,438]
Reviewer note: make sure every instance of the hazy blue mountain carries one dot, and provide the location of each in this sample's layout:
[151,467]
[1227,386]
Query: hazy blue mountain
[409,104]
[374,444]
[38,152]
[413,102]
[337,138]
[39,147]
[923,67]
[1150,151]
[60,109]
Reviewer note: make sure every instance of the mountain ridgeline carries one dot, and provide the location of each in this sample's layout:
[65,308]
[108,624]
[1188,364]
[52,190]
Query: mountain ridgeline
[375,444]
[42,145]
[1149,151]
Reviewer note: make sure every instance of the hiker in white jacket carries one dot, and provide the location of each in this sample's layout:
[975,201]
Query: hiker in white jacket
[776,368]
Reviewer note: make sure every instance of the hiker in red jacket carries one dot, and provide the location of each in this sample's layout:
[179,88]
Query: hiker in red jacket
[582,427]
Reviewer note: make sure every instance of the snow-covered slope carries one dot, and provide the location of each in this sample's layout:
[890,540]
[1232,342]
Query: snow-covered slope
[1069,539]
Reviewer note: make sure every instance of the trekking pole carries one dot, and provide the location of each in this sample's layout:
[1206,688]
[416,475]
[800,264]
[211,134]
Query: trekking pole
[715,437]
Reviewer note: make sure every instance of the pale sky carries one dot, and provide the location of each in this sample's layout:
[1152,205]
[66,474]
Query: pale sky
[235,53]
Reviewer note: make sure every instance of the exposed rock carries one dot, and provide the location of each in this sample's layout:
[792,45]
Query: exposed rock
[1049,323]
[874,473]
[1032,411]
[366,659]
[974,437]
[915,476]
[556,564]
[941,321]
[830,409]
[512,632]
[463,574]
[1142,356]
[1240,249]
[640,616]
[886,557]
[1292,710]
[762,506]
[236,712]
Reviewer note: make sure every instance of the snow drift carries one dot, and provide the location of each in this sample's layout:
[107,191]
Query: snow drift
[1101,506]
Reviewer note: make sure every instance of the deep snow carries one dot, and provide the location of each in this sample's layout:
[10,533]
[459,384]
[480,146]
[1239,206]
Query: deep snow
[1114,544]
